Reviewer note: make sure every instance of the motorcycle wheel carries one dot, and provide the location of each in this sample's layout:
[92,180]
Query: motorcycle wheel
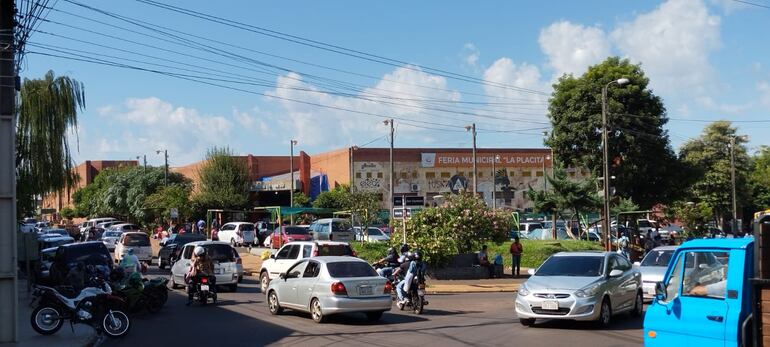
[417,303]
[204,297]
[45,320]
[115,323]
[154,303]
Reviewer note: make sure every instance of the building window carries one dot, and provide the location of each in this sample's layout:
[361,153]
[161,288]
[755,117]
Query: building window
[539,173]
[526,174]
[445,175]
[403,175]
[368,175]
[358,175]
[414,174]
[481,174]
[460,173]
[512,173]
[379,175]
[430,175]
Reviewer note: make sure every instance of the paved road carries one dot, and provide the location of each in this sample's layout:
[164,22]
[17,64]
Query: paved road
[242,319]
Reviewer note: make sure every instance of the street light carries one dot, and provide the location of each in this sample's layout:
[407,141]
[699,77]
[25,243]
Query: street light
[392,172]
[605,145]
[494,181]
[352,168]
[734,224]
[472,129]
[165,173]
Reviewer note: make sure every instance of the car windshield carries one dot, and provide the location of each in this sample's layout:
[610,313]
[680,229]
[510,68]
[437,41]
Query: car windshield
[58,232]
[112,233]
[336,250]
[297,230]
[137,240]
[247,227]
[220,253]
[346,269]
[580,266]
[340,226]
[657,258]
[90,255]
[374,232]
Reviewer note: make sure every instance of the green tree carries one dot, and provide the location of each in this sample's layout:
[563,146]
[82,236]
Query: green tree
[223,181]
[365,207]
[67,212]
[301,200]
[336,199]
[709,159]
[47,113]
[566,194]
[638,144]
[759,180]
[624,205]
[172,196]
[694,217]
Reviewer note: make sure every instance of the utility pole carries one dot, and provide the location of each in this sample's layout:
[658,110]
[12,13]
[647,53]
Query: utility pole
[291,177]
[494,181]
[606,167]
[472,129]
[392,173]
[145,162]
[8,257]
[165,158]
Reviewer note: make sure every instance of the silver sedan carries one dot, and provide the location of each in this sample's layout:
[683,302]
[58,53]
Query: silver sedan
[589,286]
[329,285]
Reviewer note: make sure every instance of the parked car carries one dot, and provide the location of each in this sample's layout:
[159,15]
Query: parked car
[228,267]
[138,241]
[669,232]
[171,247]
[547,234]
[110,239]
[374,235]
[124,227]
[332,229]
[69,255]
[591,286]
[56,231]
[46,260]
[93,222]
[238,234]
[264,229]
[40,227]
[294,251]
[53,240]
[329,285]
[288,233]
[653,266]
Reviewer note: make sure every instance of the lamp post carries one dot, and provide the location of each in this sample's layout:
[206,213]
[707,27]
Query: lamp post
[734,223]
[472,129]
[165,157]
[494,181]
[292,143]
[545,176]
[144,156]
[352,168]
[392,179]
[605,148]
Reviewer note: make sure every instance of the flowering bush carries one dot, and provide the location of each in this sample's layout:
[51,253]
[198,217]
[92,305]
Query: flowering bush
[462,225]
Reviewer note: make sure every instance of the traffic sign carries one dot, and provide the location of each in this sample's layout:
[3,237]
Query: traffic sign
[410,201]
[174,212]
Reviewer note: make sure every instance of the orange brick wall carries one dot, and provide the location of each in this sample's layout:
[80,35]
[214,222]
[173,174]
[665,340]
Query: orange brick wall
[86,172]
[335,164]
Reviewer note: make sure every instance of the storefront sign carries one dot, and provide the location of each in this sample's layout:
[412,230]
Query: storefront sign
[510,159]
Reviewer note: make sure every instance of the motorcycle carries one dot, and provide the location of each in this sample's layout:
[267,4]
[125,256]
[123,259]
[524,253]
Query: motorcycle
[392,279]
[202,289]
[141,293]
[416,295]
[95,305]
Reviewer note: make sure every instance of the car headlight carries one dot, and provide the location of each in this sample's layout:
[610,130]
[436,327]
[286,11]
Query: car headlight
[588,291]
[523,290]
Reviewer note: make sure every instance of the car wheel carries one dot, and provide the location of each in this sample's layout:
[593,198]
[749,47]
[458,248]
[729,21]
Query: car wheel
[605,315]
[373,316]
[315,311]
[638,305]
[264,281]
[273,305]
[240,279]
[173,283]
[527,322]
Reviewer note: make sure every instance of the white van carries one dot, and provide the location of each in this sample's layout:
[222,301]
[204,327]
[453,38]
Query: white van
[87,225]
[332,229]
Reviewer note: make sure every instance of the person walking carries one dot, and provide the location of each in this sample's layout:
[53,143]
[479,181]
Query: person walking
[516,250]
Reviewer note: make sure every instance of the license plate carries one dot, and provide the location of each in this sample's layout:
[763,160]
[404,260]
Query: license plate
[651,291]
[550,305]
[204,287]
[365,291]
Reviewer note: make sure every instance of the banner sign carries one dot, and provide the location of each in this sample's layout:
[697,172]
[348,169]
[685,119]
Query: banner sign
[509,159]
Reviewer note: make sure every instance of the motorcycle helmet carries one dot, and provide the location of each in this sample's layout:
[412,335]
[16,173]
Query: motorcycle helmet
[408,256]
[391,251]
[404,248]
[417,255]
[199,251]
[130,251]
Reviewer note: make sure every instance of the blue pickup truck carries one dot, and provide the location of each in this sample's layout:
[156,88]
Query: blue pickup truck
[701,303]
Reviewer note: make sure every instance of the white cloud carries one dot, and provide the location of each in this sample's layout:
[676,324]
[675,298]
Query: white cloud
[151,123]
[398,93]
[764,93]
[673,43]
[710,104]
[571,48]
[523,105]
[471,54]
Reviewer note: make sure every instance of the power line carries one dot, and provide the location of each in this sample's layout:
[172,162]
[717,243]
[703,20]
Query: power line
[752,4]
[330,47]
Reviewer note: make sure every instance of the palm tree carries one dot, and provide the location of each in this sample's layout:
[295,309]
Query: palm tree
[47,113]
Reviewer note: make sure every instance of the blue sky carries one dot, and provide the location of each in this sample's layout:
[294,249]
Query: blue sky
[707,59]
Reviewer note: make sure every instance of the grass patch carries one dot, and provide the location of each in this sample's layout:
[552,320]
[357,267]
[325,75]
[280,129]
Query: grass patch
[535,251]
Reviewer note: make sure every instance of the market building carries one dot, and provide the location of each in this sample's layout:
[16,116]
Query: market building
[85,172]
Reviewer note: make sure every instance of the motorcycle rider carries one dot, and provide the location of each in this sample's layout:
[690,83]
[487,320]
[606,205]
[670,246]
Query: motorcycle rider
[390,261]
[130,262]
[413,266]
[201,265]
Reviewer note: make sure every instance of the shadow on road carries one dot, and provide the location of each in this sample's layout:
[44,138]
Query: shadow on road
[620,323]
[431,312]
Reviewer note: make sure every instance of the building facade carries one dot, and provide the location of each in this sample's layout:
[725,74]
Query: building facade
[86,173]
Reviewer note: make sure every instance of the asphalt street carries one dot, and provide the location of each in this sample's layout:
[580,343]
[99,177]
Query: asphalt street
[482,319]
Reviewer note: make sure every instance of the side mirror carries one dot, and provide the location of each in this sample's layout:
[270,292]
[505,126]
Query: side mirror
[616,273]
[272,256]
[660,291]
[282,276]
[637,264]
[531,272]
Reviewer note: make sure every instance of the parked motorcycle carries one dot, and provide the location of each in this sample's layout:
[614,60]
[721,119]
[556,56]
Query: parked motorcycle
[140,293]
[95,305]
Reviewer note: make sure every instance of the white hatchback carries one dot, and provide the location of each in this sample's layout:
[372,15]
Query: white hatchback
[138,241]
[238,233]
[228,267]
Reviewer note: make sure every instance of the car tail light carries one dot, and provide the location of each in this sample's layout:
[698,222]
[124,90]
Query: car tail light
[339,289]
[388,287]
[204,280]
[353,251]
[315,252]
